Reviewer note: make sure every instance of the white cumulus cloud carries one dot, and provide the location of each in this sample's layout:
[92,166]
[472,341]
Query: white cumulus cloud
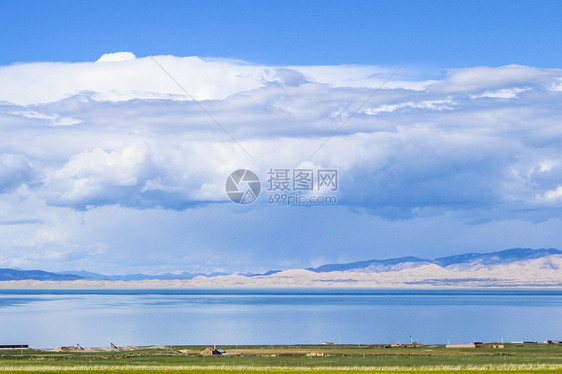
[137,140]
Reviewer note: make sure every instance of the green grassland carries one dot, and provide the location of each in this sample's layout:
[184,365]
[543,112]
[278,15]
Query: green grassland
[519,358]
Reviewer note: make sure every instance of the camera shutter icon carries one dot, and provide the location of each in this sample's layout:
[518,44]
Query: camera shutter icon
[243,186]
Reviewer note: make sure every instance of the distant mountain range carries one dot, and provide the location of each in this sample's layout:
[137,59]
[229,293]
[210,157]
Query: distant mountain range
[461,262]
[13,275]
[136,277]
[165,276]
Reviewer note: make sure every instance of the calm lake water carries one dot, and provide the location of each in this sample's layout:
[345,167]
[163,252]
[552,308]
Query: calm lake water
[50,318]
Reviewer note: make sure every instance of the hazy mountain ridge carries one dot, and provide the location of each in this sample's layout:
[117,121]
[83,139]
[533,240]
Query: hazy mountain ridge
[464,261]
[12,274]
[138,277]
[543,272]
[471,266]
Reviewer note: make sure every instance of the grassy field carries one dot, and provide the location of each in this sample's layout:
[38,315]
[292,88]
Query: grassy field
[272,371]
[533,358]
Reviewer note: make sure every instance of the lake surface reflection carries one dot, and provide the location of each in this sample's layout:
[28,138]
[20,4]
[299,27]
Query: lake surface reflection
[50,318]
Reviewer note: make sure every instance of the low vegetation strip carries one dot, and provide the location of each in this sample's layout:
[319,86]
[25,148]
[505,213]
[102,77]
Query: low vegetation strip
[207,370]
[537,368]
[288,359]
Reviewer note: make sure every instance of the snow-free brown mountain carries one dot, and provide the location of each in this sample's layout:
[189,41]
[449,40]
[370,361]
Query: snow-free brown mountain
[458,263]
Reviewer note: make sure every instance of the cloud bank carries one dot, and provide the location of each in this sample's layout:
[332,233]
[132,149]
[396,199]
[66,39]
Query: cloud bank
[119,132]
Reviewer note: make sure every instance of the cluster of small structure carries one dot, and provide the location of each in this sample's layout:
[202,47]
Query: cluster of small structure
[208,351]
[111,348]
[14,346]
[497,345]
[475,345]
[297,354]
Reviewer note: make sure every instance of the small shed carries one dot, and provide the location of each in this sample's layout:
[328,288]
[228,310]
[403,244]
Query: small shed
[212,352]
[207,352]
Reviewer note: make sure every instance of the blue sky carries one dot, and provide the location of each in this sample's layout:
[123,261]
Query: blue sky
[441,34]
[106,165]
